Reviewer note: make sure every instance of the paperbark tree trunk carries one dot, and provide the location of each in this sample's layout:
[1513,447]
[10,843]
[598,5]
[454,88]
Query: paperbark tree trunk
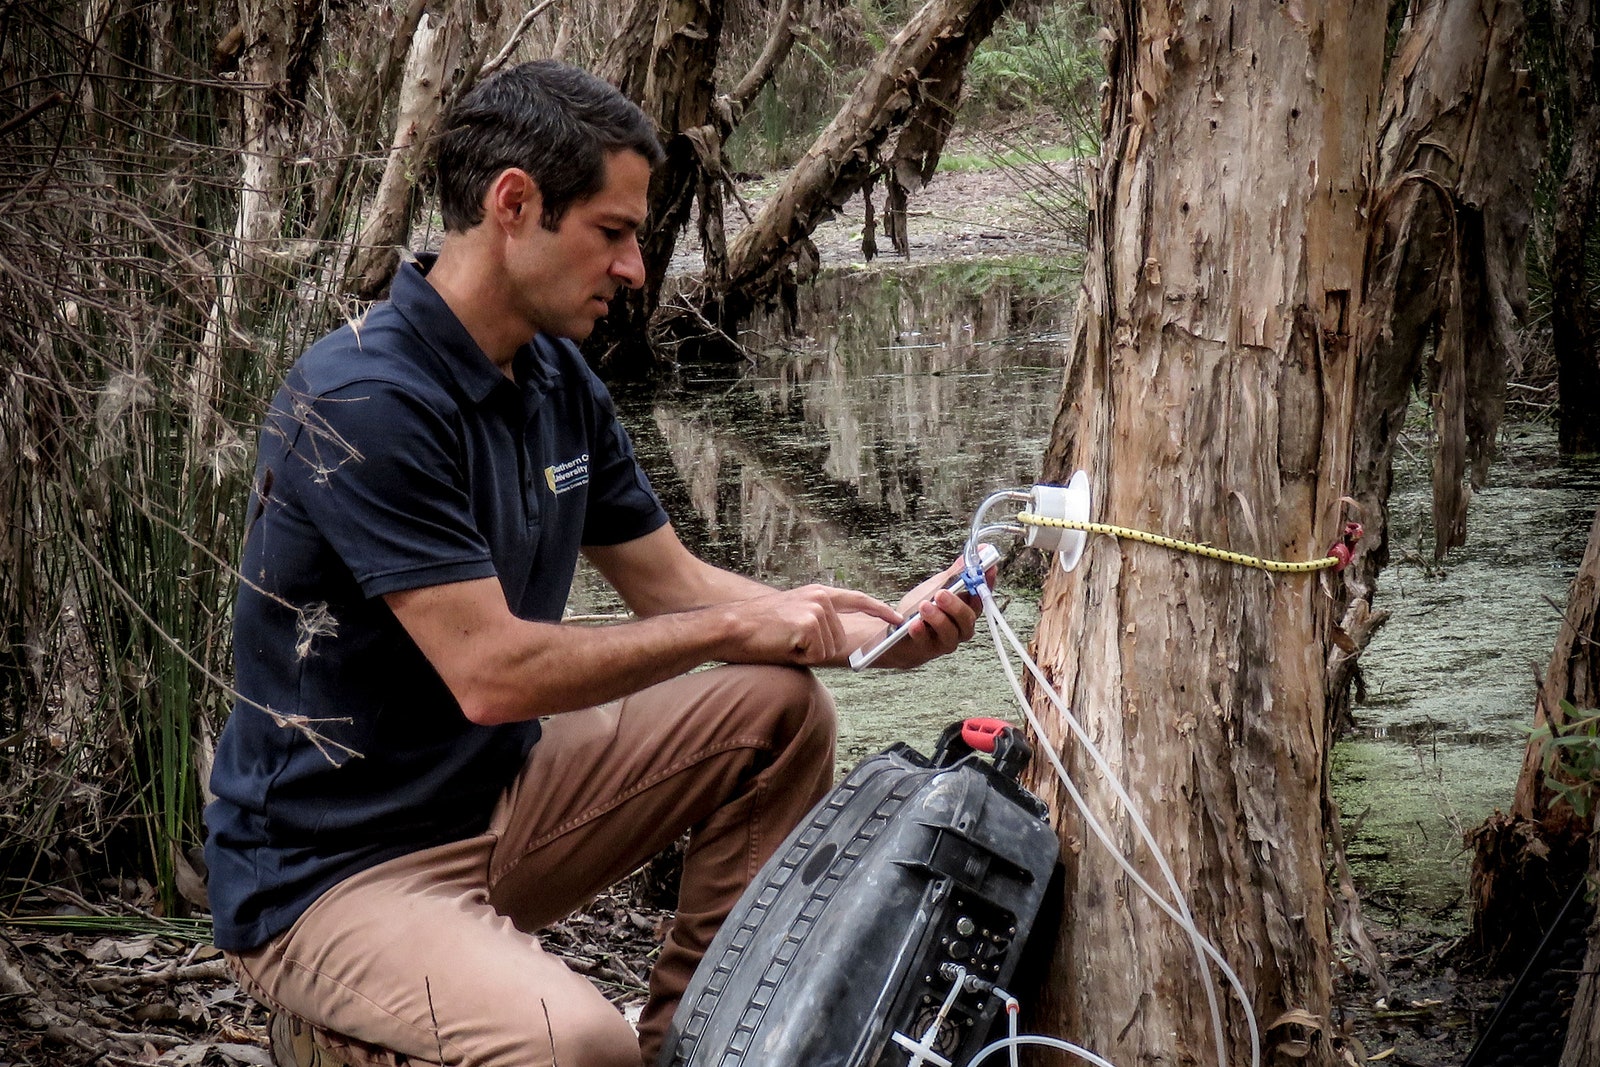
[1211,396]
[279,41]
[1263,279]
[1456,152]
[421,107]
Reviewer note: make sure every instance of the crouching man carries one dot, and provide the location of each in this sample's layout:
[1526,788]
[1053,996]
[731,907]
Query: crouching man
[423,766]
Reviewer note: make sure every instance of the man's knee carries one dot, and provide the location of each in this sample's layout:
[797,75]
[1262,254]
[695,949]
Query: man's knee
[796,706]
[596,1037]
[577,1030]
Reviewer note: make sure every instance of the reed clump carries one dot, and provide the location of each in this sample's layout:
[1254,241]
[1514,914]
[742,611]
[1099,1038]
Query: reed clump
[141,340]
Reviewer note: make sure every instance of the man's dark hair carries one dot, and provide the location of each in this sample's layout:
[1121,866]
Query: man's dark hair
[554,121]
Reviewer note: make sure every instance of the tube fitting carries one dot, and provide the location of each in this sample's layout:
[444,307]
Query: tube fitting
[1070,503]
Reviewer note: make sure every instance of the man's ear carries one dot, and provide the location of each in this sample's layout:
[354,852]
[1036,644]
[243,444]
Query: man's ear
[512,198]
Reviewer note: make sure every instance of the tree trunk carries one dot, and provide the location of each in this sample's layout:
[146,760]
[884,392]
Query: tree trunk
[421,107]
[1572,326]
[1271,257]
[279,55]
[1211,395]
[1583,1028]
[1457,154]
[392,28]
[279,46]
[664,59]
[1525,863]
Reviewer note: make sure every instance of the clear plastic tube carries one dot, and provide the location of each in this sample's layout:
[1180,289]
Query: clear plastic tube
[1016,1042]
[979,531]
[1179,913]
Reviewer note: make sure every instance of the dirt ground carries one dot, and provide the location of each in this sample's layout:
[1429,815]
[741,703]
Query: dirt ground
[108,1000]
[976,211]
[156,998]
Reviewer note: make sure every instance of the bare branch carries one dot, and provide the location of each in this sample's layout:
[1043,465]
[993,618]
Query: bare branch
[773,53]
[510,46]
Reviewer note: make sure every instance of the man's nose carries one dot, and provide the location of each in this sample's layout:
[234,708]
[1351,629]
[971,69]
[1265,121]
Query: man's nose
[628,268]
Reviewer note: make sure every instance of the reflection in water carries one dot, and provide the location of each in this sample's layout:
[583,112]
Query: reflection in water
[856,453]
[1450,678]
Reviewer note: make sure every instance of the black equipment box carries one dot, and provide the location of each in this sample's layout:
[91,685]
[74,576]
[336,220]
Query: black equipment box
[910,872]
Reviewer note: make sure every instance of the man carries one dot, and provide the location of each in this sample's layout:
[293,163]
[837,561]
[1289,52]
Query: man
[424,767]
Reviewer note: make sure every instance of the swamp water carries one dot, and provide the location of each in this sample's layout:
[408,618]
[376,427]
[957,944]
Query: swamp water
[855,453]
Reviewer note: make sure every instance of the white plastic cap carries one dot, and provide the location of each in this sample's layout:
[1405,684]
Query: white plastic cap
[1070,502]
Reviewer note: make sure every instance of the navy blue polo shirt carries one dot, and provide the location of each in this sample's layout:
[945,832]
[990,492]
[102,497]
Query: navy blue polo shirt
[395,456]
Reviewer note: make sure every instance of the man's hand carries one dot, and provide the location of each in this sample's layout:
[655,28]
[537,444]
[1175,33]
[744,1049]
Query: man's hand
[944,620]
[804,627]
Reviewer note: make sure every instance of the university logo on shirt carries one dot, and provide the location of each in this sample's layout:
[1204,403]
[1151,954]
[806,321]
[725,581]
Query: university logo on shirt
[569,475]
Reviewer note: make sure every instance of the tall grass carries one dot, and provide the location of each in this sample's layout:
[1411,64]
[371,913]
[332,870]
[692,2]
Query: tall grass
[131,391]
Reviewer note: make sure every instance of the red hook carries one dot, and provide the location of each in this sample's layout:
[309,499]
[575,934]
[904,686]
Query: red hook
[1343,550]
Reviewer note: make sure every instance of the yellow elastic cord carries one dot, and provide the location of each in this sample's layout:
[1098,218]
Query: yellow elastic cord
[1027,518]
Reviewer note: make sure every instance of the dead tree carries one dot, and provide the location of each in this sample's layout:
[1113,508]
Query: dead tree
[917,77]
[1236,338]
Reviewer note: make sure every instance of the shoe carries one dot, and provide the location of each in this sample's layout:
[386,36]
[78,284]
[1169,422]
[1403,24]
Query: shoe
[293,1044]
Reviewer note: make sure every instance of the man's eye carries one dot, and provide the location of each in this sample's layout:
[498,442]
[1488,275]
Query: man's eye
[613,233]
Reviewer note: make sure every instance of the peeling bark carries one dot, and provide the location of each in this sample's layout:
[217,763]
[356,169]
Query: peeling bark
[1456,153]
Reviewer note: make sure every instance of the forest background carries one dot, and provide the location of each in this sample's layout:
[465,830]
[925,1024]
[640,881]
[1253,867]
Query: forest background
[187,199]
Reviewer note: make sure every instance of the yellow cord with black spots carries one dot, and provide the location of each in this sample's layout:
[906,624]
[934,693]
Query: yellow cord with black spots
[1336,561]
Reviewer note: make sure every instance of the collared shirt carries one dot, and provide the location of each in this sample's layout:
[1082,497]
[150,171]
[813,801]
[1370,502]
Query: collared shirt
[395,456]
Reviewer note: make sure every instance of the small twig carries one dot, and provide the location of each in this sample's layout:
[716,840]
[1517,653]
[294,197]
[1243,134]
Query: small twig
[551,1031]
[1566,625]
[67,896]
[136,1038]
[504,54]
[54,99]
[209,971]
[738,198]
[427,986]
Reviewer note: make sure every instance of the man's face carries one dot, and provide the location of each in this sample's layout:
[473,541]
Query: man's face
[565,279]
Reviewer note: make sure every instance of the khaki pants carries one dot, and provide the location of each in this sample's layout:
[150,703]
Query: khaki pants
[432,955]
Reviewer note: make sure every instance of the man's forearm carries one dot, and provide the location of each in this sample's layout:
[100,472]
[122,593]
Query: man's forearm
[504,669]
